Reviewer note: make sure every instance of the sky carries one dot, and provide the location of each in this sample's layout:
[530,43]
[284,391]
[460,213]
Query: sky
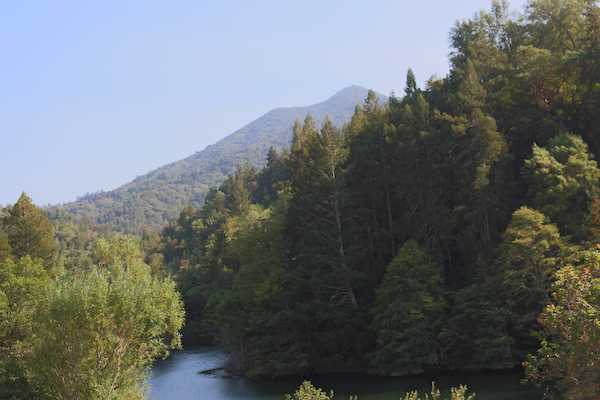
[95,93]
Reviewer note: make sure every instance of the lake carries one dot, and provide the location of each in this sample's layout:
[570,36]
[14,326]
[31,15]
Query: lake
[177,378]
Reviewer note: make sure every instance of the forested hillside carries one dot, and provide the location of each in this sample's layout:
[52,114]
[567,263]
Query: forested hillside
[151,200]
[431,231]
[454,227]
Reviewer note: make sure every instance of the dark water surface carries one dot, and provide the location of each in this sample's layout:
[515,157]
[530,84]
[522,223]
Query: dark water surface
[177,378]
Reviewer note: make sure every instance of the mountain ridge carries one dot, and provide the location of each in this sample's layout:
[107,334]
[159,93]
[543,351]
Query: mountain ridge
[152,199]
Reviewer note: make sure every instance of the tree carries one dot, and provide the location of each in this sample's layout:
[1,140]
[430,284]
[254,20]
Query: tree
[272,179]
[320,276]
[254,239]
[370,181]
[563,179]
[566,363]
[410,87]
[22,285]
[408,313]
[96,332]
[5,249]
[29,230]
[476,333]
[117,249]
[75,243]
[476,150]
[239,188]
[530,253]
[315,214]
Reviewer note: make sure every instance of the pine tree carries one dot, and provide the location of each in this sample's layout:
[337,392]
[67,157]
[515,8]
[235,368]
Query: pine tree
[370,182]
[318,206]
[29,231]
[410,88]
[317,232]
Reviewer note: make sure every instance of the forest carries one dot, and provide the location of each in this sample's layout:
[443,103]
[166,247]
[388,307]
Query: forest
[453,227]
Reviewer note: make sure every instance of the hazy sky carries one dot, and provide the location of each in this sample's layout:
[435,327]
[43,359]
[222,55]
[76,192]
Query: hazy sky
[94,93]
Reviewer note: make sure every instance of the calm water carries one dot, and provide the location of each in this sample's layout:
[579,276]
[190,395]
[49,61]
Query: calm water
[177,378]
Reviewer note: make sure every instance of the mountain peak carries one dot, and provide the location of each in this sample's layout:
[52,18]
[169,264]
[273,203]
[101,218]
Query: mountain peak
[351,89]
[354,94]
[151,200]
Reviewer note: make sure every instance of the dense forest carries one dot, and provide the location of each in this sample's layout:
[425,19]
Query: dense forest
[454,227]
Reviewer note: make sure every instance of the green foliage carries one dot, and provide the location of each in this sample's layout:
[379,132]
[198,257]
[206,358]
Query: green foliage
[567,361]
[298,267]
[22,284]
[307,391]
[408,313]
[459,393]
[29,231]
[242,312]
[529,254]
[75,243]
[289,266]
[96,332]
[80,316]
[5,249]
[317,238]
[476,333]
[563,180]
[118,250]
[197,250]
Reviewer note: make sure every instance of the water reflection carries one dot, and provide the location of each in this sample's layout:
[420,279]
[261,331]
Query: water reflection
[177,378]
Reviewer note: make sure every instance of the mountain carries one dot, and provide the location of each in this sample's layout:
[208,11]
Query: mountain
[153,199]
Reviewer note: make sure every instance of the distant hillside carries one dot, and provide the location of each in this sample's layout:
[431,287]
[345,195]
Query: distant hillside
[153,199]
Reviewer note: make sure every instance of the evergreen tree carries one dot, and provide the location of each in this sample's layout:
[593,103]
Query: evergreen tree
[530,253]
[408,313]
[272,179]
[29,231]
[410,89]
[476,335]
[370,186]
[318,252]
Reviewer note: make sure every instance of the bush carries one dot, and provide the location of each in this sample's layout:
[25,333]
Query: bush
[307,391]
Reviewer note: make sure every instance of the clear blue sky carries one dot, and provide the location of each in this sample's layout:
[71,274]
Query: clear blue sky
[94,93]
